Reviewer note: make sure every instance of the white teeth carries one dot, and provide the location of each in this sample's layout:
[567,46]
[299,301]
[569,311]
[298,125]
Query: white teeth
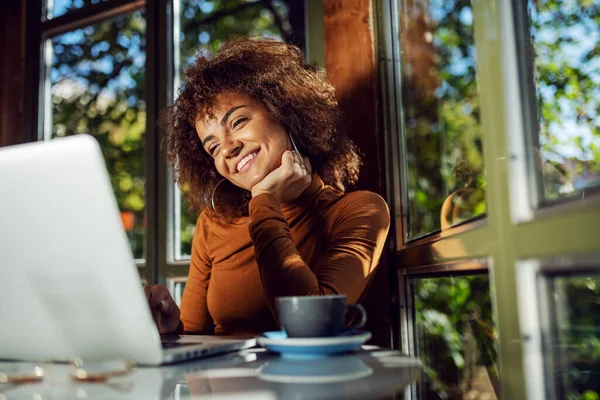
[245,161]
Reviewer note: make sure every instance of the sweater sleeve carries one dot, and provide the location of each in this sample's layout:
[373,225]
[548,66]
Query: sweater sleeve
[194,307]
[355,245]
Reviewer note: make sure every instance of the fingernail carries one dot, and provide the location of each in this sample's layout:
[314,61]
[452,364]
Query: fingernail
[164,305]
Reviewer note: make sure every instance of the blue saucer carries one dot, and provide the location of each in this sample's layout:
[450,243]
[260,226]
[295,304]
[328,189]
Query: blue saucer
[279,342]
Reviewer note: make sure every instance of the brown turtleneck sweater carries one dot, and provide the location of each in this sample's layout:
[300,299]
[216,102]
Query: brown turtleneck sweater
[324,242]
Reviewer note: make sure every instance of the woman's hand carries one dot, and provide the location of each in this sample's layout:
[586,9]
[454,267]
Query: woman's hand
[288,181]
[164,309]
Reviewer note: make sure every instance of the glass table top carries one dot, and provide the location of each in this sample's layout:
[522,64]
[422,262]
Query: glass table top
[248,374]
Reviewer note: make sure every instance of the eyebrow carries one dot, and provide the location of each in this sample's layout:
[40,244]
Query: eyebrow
[206,139]
[228,113]
[223,122]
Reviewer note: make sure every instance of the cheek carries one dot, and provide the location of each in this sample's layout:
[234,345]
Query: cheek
[280,139]
[220,166]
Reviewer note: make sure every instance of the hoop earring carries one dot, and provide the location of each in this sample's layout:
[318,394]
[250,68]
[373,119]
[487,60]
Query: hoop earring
[212,203]
[300,154]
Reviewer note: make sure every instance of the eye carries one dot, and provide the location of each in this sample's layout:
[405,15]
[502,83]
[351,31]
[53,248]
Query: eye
[238,121]
[212,149]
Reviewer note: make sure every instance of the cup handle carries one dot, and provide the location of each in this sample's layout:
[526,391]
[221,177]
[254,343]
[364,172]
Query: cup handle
[363,315]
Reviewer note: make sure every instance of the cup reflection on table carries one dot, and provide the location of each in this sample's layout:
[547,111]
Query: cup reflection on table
[323,377]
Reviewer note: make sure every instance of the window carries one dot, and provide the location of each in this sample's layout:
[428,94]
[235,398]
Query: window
[95,85]
[203,26]
[454,335]
[176,287]
[107,68]
[574,308]
[527,72]
[559,66]
[442,131]
[560,318]
[56,8]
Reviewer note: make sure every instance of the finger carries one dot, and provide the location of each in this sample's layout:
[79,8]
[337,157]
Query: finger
[288,165]
[168,320]
[287,158]
[169,309]
[164,306]
[158,321]
[304,165]
[159,293]
[307,164]
[297,158]
[147,292]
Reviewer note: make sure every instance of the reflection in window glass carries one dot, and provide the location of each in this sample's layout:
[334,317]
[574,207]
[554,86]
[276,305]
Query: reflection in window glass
[204,26]
[56,8]
[455,337]
[96,79]
[564,37]
[446,184]
[176,286]
[185,224]
[575,336]
[182,391]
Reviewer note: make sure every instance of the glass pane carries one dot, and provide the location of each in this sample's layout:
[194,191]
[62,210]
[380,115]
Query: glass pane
[176,287]
[185,224]
[96,86]
[205,25]
[455,338]
[56,8]
[444,161]
[575,336]
[563,50]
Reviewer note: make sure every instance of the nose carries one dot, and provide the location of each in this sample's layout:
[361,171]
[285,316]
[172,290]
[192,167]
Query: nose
[231,148]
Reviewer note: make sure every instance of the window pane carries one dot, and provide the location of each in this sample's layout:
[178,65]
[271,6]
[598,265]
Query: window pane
[574,340]
[563,48]
[56,8]
[444,161]
[205,25]
[176,285]
[96,80]
[455,337]
[184,226]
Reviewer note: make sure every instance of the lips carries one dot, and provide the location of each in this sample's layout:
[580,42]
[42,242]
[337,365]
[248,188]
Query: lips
[245,161]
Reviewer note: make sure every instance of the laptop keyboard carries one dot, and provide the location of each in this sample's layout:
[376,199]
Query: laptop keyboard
[170,345]
[171,341]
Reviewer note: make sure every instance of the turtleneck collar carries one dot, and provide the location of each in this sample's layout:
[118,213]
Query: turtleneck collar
[308,197]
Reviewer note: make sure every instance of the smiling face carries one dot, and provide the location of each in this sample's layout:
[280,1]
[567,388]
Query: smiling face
[242,138]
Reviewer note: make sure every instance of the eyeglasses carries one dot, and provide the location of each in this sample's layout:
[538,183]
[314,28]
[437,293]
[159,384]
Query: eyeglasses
[99,371]
[16,373]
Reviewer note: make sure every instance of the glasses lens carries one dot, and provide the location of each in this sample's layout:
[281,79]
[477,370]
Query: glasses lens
[20,372]
[99,371]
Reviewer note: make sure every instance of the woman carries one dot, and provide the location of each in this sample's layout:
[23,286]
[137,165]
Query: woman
[254,134]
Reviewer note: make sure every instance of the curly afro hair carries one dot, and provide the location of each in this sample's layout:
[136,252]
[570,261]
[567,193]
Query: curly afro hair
[296,95]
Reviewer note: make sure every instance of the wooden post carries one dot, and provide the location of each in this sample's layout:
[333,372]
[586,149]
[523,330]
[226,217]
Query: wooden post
[351,64]
[11,69]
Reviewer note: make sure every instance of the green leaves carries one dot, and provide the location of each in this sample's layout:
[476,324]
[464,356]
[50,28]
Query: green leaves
[446,342]
[442,117]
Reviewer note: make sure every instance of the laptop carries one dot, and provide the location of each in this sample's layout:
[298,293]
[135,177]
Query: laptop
[69,285]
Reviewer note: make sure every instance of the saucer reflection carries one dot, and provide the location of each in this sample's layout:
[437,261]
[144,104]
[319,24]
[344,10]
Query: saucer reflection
[322,370]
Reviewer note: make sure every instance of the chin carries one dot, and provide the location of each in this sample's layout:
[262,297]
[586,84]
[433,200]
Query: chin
[247,184]
[250,178]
